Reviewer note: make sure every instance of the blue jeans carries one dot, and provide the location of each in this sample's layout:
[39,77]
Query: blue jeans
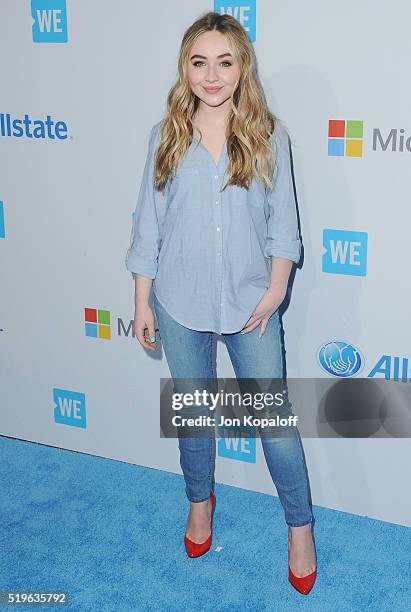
[190,354]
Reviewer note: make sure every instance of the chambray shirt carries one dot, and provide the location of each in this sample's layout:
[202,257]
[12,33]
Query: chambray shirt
[207,251]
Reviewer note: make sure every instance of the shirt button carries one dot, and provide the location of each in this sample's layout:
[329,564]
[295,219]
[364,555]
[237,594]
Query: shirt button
[216,176]
[216,201]
[218,229]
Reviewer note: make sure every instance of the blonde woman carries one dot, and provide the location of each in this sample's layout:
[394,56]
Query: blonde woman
[215,235]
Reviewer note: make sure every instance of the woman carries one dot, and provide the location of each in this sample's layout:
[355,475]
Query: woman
[220,254]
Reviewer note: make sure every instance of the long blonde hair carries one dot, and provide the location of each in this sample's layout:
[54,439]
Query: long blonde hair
[250,123]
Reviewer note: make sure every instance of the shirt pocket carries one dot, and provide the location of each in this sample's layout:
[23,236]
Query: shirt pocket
[254,196]
[239,195]
[185,189]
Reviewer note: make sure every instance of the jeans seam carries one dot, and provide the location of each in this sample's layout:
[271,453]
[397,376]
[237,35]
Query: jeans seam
[307,485]
[307,481]
[214,374]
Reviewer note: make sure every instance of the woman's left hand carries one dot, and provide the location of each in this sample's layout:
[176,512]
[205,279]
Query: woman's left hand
[271,300]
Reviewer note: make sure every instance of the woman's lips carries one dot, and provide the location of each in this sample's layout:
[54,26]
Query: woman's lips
[212,89]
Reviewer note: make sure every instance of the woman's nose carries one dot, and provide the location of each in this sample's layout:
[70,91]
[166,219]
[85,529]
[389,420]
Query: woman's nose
[211,74]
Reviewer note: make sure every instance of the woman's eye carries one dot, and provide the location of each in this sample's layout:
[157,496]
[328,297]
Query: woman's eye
[199,63]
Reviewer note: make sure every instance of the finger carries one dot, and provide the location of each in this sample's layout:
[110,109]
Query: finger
[249,328]
[151,333]
[251,320]
[150,338]
[264,324]
[142,338]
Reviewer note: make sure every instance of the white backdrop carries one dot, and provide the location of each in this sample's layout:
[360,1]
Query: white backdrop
[67,208]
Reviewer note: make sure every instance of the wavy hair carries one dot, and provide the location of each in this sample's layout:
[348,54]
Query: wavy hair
[250,122]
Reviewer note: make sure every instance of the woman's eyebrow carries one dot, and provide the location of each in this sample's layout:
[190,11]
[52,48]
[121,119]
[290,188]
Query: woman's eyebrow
[204,57]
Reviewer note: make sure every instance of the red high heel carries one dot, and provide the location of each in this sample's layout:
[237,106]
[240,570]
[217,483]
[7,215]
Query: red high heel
[303,584]
[193,548]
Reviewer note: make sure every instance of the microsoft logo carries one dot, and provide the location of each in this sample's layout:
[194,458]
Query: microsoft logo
[97,323]
[345,137]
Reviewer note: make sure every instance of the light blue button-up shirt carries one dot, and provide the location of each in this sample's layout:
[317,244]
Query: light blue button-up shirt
[209,252]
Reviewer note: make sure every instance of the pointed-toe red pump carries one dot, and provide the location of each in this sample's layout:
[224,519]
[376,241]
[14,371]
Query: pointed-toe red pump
[303,584]
[195,549]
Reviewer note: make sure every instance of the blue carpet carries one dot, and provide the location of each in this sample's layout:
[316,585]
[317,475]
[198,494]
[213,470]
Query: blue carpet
[111,535]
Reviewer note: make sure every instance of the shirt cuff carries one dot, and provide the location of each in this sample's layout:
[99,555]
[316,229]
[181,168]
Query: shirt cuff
[139,265]
[287,249]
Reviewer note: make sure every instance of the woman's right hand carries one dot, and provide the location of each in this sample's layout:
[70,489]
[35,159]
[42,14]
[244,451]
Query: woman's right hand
[144,322]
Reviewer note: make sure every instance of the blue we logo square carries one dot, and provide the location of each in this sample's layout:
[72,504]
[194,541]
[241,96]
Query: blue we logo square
[237,443]
[2,228]
[69,408]
[49,21]
[346,252]
[244,12]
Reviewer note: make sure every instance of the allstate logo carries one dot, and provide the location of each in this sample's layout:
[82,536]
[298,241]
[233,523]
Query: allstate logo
[340,358]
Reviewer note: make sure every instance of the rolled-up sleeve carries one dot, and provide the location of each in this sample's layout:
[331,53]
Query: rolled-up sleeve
[282,235]
[145,242]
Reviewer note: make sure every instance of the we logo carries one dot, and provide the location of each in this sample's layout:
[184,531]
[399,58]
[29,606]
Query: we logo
[69,407]
[346,252]
[237,443]
[49,21]
[244,12]
[2,229]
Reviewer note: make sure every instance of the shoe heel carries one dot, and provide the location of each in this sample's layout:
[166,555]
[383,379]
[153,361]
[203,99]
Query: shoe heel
[303,584]
[195,549]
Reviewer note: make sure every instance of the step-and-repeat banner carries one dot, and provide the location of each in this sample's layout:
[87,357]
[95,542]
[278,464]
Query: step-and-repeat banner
[82,84]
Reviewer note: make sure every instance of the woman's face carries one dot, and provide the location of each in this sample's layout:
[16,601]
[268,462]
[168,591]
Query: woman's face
[212,70]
